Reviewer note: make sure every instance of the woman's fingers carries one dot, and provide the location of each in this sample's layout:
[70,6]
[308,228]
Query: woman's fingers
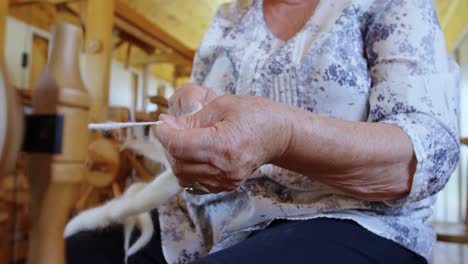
[218,189]
[191,172]
[210,177]
[187,170]
[189,98]
[192,138]
[195,144]
[213,187]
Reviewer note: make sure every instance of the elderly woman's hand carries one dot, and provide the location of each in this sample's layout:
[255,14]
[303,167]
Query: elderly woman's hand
[189,98]
[226,141]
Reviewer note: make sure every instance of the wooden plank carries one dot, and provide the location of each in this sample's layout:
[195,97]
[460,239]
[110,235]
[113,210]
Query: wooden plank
[3,16]
[128,14]
[39,54]
[137,36]
[464,141]
[146,73]
[159,99]
[135,81]
[452,232]
[128,56]
[99,25]
[40,15]
[128,32]
[187,20]
[138,167]
[29,2]
[166,57]
[164,71]
[180,16]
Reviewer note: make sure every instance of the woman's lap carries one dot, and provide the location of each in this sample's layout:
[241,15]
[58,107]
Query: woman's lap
[107,247]
[318,240]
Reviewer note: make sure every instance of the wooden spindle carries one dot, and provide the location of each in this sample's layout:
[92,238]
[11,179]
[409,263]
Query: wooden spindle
[55,174]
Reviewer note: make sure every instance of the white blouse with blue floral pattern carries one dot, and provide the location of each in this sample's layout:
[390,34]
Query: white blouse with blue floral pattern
[368,60]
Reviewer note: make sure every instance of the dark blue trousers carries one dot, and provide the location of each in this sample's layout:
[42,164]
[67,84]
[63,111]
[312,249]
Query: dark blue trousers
[319,240]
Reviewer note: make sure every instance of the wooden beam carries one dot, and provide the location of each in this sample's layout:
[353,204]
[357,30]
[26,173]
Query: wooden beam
[28,2]
[128,55]
[41,15]
[145,87]
[138,37]
[129,15]
[464,141]
[165,57]
[185,20]
[163,71]
[134,23]
[99,25]
[159,99]
[147,47]
[3,17]
[128,32]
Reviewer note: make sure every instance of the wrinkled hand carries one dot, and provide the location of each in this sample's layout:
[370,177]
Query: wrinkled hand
[226,141]
[188,98]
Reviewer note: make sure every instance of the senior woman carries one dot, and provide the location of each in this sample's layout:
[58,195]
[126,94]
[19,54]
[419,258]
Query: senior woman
[327,129]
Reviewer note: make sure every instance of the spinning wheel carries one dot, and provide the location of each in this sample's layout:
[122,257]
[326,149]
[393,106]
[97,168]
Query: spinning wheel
[55,162]
[109,166]
[56,149]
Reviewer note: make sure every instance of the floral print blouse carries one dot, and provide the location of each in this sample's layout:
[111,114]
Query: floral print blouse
[368,60]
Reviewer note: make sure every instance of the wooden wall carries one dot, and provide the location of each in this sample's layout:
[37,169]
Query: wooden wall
[453,16]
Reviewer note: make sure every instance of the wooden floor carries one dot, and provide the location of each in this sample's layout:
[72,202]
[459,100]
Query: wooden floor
[449,253]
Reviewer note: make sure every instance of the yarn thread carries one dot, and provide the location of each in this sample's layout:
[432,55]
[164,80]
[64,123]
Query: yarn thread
[118,125]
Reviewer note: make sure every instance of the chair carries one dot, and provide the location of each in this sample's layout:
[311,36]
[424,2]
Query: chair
[454,232]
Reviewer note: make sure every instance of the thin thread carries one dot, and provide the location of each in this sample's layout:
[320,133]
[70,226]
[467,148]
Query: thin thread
[117,125]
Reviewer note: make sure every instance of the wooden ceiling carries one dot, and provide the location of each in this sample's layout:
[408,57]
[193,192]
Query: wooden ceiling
[187,20]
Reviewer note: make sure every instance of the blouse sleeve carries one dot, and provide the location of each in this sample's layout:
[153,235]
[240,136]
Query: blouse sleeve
[415,87]
[199,70]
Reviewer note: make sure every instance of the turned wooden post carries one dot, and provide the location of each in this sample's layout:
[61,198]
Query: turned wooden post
[3,18]
[55,162]
[11,119]
[99,25]
[146,74]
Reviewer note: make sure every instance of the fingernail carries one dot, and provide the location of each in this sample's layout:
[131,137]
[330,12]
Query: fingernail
[198,107]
